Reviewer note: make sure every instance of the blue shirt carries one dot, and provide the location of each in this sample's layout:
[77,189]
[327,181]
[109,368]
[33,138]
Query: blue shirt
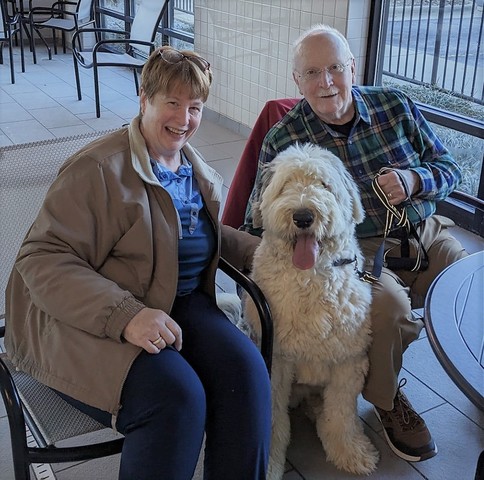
[388,131]
[196,243]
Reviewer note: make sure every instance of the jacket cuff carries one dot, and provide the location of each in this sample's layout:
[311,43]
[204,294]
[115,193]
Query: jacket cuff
[121,316]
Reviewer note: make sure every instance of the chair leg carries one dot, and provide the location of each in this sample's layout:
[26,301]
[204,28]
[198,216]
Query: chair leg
[49,51]
[25,26]
[96,92]
[22,55]
[10,51]
[54,39]
[32,43]
[136,83]
[78,80]
[18,437]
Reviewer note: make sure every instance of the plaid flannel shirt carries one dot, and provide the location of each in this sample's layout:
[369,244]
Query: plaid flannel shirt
[388,131]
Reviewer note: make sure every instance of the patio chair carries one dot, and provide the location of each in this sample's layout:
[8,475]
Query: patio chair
[119,48]
[10,25]
[59,17]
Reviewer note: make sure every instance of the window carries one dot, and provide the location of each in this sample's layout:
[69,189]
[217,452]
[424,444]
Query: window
[175,29]
[433,51]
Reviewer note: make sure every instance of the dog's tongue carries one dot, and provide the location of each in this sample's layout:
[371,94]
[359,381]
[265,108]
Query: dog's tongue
[305,252]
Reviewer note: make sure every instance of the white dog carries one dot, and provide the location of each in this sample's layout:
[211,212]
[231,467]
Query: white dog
[307,266]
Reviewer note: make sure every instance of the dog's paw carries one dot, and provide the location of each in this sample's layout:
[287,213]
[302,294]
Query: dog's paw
[360,457]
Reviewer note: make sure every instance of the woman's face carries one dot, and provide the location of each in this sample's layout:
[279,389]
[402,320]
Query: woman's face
[168,122]
[328,94]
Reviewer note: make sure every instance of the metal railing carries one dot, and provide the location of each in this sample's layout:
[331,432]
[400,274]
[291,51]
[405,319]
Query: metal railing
[185,6]
[438,43]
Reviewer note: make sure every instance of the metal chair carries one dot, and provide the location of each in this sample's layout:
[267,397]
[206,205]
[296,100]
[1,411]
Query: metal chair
[10,25]
[59,17]
[119,48]
[38,418]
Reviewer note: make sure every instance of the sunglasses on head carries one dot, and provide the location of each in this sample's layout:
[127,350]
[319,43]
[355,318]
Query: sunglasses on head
[172,57]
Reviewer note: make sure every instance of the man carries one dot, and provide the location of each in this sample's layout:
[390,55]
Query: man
[402,170]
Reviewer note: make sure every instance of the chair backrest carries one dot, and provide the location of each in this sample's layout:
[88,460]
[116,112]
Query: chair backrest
[244,178]
[85,10]
[22,190]
[3,16]
[146,21]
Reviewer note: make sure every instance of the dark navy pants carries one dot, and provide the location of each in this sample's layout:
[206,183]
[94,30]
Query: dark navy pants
[217,384]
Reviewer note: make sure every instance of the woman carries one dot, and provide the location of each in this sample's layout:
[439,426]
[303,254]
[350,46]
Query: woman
[112,298]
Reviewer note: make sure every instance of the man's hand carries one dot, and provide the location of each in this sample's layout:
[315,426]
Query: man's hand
[392,186]
[153,330]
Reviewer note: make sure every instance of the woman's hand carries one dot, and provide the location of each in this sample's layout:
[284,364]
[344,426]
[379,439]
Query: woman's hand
[153,330]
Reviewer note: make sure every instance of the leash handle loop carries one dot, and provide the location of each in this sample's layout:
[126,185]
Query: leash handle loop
[396,218]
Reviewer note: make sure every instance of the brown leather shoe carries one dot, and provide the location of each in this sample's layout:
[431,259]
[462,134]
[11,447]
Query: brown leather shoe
[405,431]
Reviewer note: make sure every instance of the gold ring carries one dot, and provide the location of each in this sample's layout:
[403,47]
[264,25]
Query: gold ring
[390,195]
[157,341]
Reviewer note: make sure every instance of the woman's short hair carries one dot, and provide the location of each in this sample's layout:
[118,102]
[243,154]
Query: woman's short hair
[168,69]
[314,30]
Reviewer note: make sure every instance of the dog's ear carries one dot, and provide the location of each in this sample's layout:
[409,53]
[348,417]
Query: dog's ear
[256,215]
[358,213]
[357,206]
[267,173]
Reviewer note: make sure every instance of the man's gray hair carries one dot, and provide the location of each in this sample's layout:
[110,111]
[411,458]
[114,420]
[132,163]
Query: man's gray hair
[316,29]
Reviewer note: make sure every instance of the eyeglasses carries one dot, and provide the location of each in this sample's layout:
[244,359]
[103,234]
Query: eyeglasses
[334,70]
[173,57]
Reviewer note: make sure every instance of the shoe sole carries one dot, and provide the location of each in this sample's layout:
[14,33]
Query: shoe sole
[403,455]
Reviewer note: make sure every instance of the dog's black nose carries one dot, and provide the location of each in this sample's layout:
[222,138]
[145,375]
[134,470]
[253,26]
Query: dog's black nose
[303,218]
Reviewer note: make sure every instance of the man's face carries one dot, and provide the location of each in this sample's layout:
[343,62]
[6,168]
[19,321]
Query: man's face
[324,73]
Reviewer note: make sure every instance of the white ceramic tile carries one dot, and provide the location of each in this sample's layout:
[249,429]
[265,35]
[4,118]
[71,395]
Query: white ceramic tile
[108,120]
[6,465]
[432,374]
[4,140]
[459,441]
[26,131]
[60,132]
[59,89]
[5,97]
[55,116]
[35,100]
[13,112]
[307,455]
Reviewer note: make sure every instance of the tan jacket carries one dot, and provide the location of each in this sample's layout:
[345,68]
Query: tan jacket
[104,245]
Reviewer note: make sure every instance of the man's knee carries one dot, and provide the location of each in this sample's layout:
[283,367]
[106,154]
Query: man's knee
[390,303]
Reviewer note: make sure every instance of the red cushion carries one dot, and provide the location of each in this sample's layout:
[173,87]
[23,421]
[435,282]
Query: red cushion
[244,178]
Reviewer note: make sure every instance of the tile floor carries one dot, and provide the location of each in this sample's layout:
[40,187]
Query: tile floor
[42,104]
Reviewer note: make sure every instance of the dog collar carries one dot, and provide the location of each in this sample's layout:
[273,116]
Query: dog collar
[343,261]
[363,275]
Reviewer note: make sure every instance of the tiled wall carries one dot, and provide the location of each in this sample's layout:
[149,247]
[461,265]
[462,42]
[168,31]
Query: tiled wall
[249,44]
